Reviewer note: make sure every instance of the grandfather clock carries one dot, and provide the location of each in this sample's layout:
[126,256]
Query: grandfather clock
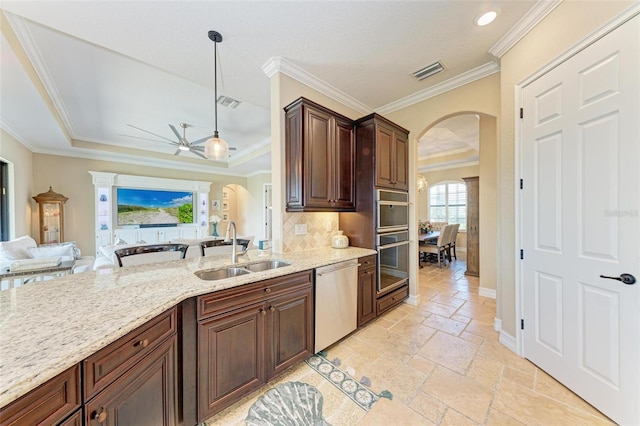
[51,213]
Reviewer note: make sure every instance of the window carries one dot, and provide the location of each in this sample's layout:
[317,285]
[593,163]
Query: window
[448,203]
[4,201]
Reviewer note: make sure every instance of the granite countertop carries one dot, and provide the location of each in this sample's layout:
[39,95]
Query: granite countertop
[47,327]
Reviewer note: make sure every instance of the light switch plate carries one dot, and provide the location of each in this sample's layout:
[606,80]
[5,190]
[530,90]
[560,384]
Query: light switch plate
[301,229]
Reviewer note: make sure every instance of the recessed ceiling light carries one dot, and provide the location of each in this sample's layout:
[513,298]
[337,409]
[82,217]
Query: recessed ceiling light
[486,18]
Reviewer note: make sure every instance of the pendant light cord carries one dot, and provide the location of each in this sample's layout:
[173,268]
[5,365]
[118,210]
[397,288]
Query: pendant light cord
[215,84]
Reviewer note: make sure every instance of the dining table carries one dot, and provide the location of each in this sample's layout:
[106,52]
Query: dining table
[429,237]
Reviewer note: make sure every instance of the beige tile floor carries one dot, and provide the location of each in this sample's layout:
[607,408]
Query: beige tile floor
[443,364]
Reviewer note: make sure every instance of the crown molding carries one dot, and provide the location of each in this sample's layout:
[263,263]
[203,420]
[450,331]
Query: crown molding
[279,64]
[7,127]
[136,160]
[453,83]
[449,166]
[30,48]
[521,28]
[445,153]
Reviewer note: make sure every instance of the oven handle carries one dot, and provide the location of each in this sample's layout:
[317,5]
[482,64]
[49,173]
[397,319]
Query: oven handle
[401,243]
[393,203]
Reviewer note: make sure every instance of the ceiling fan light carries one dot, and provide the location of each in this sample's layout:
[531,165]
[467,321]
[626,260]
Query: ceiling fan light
[216,148]
[183,148]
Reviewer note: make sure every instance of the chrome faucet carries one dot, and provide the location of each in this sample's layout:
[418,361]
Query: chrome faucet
[234,242]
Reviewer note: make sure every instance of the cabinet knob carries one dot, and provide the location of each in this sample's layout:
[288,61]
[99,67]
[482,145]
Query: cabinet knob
[271,308]
[100,417]
[267,290]
[143,343]
[263,312]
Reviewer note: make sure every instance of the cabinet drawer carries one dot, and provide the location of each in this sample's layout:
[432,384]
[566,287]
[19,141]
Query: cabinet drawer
[367,262]
[48,403]
[108,364]
[226,300]
[394,298]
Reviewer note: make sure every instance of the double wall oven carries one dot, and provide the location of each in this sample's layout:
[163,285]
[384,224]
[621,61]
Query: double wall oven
[392,239]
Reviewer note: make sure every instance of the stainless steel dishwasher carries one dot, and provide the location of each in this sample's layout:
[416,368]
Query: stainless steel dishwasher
[336,302]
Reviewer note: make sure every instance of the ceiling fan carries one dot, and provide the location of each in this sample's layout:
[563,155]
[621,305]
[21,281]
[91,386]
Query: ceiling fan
[182,143]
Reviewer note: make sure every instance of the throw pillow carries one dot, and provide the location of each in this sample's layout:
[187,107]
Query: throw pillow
[14,253]
[74,247]
[63,251]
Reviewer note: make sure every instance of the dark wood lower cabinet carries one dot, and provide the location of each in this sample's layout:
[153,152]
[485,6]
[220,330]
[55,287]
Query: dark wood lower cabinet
[73,420]
[144,395]
[230,357]
[366,289]
[289,331]
[48,404]
[392,299]
[268,330]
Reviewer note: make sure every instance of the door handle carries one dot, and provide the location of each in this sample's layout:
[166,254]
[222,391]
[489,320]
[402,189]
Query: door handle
[625,278]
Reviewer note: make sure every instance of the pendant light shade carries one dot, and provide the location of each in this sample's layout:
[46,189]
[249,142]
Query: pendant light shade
[215,148]
[422,183]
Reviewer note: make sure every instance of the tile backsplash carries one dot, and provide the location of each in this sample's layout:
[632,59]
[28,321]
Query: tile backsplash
[320,228]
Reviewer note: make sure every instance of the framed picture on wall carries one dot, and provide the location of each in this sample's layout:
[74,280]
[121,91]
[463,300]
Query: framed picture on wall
[215,204]
[225,205]
[225,216]
[225,194]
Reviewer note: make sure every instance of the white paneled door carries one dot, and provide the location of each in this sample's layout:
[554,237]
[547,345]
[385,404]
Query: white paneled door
[580,221]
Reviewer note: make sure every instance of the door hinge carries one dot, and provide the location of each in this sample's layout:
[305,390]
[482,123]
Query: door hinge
[521,112]
[521,184]
[522,324]
[521,254]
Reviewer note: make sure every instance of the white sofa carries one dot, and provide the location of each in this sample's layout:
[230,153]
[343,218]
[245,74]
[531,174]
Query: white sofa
[107,257]
[25,247]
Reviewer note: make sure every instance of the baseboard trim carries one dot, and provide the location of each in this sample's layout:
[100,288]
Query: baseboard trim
[487,292]
[509,341]
[497,324]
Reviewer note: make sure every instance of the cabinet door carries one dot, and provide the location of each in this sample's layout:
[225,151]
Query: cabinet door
[343,163]
[317,155]
[384,157]
[401,163]
[289,330]
[145,395]
[366,290]
[230,357]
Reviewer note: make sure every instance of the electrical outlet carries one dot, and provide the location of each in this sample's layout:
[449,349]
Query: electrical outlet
[328,225]
[301,229]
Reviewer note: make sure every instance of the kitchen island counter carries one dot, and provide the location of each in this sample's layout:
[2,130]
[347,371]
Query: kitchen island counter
[47,327]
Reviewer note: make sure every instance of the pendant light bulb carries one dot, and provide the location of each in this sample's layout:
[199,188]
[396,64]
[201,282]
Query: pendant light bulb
[216,148]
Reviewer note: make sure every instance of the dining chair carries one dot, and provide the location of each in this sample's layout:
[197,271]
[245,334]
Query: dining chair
[452,242]
[439,248]
[225,247]
[150,250]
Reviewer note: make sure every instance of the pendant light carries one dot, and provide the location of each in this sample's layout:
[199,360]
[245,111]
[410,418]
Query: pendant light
[215,148]
[422,183]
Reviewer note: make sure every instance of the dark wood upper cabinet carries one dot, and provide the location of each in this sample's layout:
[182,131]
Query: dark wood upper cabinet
[319,152]
[391,145]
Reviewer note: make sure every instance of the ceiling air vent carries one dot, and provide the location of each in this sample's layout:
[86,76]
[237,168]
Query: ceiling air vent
[428,71]
[228,102]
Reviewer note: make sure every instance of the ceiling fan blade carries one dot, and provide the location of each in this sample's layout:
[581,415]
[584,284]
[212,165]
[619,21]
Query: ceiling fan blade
[199,141]
[147,139]
[177,152]
[175,132]
[196,148]
[233,148]
[198,154]
[151,133]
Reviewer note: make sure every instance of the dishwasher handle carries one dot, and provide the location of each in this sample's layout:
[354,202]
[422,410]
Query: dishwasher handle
[353,265]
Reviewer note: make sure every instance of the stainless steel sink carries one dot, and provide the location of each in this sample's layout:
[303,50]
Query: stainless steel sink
[266,265]
[220,274]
